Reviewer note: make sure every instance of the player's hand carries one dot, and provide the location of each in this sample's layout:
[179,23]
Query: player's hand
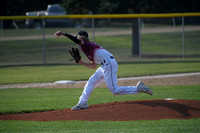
[58,33]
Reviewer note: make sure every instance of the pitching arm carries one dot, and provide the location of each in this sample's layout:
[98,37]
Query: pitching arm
[73,38]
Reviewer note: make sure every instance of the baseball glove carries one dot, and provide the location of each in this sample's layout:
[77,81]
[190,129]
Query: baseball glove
[74,52]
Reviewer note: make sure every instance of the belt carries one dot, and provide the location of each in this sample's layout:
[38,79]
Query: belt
[104,61]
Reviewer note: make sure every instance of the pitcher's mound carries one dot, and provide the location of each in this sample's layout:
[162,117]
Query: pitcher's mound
[120,111]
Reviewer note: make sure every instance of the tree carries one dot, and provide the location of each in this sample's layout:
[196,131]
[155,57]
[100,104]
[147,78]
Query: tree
[81,7]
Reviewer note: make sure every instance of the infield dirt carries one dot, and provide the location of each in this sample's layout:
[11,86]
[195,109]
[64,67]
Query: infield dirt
[119,111]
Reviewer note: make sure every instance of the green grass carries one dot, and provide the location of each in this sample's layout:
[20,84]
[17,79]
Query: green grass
[170,43]
[158,126]
[39,99]
[36,99]
[42,99]
[52,73]
[165,44]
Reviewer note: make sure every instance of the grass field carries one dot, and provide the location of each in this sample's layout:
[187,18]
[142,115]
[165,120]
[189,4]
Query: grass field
[52,73]
[158,126]
[18,100]
[32,99]
[40,99]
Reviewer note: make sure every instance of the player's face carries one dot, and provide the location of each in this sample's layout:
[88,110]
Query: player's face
[79,37]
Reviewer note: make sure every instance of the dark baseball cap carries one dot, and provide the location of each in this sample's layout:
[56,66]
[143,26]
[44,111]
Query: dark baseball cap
[82,33]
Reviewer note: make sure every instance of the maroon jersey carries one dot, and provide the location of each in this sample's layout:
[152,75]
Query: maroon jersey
[89,48]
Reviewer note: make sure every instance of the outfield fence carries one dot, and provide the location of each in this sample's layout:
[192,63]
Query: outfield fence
[159,36]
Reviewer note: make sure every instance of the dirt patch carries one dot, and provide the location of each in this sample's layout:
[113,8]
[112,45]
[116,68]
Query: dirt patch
[158,80]
[119,111]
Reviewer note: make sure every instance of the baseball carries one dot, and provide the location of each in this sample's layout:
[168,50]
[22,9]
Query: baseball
[39,14]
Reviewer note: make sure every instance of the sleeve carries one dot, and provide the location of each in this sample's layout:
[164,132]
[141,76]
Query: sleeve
[73,38]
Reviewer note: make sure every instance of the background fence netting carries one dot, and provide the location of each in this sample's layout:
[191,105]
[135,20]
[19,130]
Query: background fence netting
[161,38]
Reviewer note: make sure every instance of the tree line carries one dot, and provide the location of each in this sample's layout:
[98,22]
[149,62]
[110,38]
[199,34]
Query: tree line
[20,7]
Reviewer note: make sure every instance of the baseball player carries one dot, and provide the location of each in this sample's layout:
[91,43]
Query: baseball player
[106,72]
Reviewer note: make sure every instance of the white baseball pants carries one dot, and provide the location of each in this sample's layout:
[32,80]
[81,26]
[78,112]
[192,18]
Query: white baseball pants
[107,72]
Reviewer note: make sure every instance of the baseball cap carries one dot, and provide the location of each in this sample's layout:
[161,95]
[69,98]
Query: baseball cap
[82,33]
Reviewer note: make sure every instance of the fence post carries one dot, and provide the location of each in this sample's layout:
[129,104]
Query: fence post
[183,37]
[44,48]
[1,27]
[140,54]
[135,37]
[93,30]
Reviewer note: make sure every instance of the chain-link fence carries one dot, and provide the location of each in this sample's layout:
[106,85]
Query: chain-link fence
[159,37]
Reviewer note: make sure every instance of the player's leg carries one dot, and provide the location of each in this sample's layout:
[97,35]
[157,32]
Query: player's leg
[96,79]
[110,76]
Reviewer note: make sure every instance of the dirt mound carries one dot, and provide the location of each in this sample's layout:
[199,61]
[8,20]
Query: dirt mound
[119,111]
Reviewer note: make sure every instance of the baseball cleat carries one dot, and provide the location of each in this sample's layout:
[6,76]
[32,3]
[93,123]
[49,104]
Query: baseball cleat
[80,106]
[142,88]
